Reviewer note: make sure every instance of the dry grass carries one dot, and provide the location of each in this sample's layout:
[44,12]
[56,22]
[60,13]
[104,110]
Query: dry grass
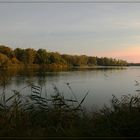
[36,116]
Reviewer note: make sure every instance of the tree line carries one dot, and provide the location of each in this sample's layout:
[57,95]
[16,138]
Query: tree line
[30,56]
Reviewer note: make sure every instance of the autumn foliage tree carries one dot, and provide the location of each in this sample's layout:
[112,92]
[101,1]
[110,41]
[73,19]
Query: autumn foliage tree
[31,56]
[4,60]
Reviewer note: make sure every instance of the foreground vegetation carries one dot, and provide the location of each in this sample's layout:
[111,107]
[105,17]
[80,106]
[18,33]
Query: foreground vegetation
[34,116]
[31,57]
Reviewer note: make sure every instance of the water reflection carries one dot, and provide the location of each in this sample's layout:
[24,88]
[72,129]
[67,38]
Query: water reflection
[42,76]
[101,82]
[6,75]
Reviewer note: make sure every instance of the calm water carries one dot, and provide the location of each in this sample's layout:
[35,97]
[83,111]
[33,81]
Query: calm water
[101,83]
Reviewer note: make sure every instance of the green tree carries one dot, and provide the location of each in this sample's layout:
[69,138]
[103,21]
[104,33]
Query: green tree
[42,57]
[56,58]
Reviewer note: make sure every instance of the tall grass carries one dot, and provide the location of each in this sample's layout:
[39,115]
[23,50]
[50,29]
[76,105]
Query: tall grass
[36,115]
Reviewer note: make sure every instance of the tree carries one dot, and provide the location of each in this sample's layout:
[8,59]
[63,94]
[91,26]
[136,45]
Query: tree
[41,57]
[92,60]
[83,60]
[29,56]
[56,58]
[14,60]
[69,59]
[6,50]
[20,54]
[4,60]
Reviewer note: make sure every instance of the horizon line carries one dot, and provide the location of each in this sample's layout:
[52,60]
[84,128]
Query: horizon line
[61,53]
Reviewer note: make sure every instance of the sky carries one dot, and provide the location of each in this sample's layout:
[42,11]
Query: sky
[93,29]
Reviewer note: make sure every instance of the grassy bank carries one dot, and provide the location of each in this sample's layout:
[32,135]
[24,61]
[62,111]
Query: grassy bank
[36,116]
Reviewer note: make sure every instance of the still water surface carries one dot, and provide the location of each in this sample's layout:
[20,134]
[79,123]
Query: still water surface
[101,83]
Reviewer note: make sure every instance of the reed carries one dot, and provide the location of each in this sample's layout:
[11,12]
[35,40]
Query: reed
[35,115]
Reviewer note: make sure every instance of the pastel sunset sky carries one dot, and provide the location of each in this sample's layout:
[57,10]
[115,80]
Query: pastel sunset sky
[97,29]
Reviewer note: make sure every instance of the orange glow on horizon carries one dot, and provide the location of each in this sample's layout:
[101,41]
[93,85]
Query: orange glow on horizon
[130,54]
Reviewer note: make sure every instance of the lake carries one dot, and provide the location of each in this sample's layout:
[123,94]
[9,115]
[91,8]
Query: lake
[100,82]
